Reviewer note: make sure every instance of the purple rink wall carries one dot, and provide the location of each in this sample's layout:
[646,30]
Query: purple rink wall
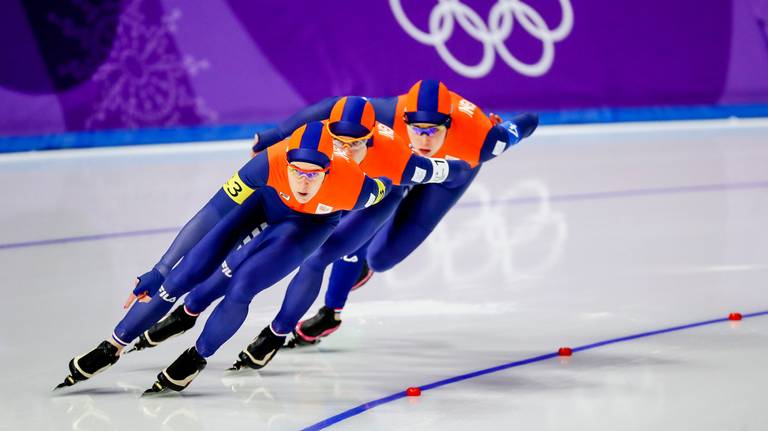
[87,65]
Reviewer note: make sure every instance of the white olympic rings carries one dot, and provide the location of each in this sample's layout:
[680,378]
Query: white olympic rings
[493,35]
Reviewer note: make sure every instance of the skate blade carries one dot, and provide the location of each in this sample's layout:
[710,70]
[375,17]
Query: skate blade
[237,366]
[69,381]
[296,343]
[156,390]
[132,349]
[240,367]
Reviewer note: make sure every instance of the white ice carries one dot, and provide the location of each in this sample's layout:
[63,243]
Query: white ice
[578,235]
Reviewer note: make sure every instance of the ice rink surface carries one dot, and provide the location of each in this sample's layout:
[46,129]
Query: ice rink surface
[581,234]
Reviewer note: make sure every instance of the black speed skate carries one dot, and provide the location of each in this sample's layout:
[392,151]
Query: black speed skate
[310,331]
[176,323]
[85,366]
[180,373]
[261,350]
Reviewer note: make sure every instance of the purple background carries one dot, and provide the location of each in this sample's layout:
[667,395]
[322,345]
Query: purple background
[92,65]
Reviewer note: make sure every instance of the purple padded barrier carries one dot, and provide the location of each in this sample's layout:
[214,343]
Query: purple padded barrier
[93,65]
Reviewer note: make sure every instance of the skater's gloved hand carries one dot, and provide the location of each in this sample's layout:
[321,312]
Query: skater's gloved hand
[524,123]
[495,119]
[459,172]
[146,285]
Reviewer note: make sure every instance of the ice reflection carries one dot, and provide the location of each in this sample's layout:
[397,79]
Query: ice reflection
[516,234]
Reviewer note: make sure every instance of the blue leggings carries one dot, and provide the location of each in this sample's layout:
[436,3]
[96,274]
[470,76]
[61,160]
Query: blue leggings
[389,231]
[203,259]
[352,232]
[259,264]
[415,218]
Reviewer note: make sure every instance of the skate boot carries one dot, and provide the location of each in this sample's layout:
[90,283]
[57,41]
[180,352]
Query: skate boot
[364,276]
[261,350]
[180,373]
[310,331]
[176,323]
[86,366]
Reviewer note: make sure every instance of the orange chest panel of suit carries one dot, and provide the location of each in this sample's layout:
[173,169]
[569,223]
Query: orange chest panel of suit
[387,156]
[339,191]
[466,136]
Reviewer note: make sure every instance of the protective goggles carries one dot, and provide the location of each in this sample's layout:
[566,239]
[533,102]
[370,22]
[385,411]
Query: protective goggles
[349,140]
[429,131]
[355,145]
[308,174]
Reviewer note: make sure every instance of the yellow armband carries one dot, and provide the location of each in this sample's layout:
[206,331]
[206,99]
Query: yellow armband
[236,189]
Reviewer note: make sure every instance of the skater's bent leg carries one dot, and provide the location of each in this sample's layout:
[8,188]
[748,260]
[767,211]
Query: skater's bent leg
[418,214]
[346,247]
[345,273]
[353,231]
[384,253]
[203,295]
[300,294]
[213,288]
[259,272]
[200,262]
[282,248]
[225,320]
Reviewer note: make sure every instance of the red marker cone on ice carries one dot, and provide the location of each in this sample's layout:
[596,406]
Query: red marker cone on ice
[413,392]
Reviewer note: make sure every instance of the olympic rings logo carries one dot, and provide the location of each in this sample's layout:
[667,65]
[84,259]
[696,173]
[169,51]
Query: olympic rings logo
[492,35]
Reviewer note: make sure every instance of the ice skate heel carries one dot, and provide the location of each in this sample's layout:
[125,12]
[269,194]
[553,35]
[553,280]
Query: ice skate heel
[310,331]
[176,323]
[85,366]
[180,373]
[258,354]
[365,275]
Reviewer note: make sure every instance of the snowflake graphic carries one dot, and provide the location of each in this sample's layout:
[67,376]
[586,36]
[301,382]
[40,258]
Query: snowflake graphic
[144,80]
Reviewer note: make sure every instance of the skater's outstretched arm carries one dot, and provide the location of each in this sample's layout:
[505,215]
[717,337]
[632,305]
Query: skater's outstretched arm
[420,170]
[373,191]
[384,108]
[240,187]
[392,156]
[507,133]
[317,112]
